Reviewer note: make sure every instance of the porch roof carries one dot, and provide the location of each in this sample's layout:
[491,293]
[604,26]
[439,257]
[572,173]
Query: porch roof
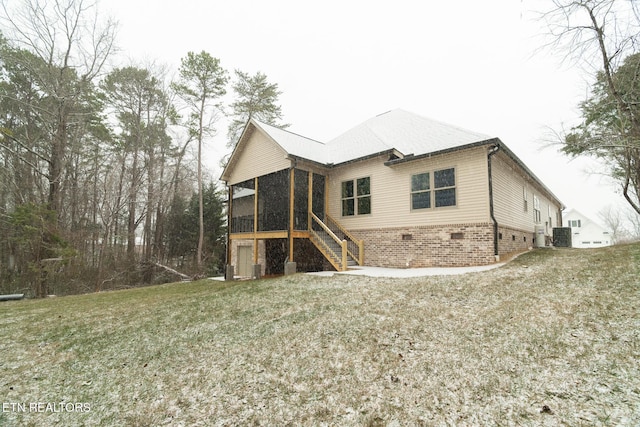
[296,145]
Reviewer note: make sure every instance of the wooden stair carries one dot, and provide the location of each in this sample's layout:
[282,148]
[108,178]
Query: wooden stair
[336,250]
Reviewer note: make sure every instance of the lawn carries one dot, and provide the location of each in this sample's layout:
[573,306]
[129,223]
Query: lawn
[551,338]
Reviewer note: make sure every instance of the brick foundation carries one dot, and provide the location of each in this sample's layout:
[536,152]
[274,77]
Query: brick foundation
[456,245]
[512,241]
[432,246]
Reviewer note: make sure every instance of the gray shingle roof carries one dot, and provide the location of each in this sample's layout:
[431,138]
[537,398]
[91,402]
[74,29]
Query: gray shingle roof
[405,132]
[398,130]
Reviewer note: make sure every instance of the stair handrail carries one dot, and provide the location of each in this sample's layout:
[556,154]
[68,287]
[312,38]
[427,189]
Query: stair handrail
[342,229]
[326,250]
[342,243]
[359,257]
[327,229]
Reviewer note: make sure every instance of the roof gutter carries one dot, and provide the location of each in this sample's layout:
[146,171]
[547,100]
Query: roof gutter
[411,158]
[333,165]
[494,142]
[524,167]
[493,151]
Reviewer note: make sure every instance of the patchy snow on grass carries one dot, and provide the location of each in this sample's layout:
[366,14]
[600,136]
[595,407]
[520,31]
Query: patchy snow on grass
[549,338]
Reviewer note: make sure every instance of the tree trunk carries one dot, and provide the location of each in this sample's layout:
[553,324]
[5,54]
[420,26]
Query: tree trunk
[150,205]
[131,222]
[200,195]
[56,162]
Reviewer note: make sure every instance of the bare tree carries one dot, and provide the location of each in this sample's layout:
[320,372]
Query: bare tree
[634,220]
[137,99]
[600,35]
[68,48]
[87,160]
[612,220]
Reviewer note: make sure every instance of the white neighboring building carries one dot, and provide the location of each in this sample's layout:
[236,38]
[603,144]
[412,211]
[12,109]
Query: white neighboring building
[584,232]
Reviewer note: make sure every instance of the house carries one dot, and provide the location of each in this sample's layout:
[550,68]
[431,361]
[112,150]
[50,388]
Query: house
[398,190]
[586,233]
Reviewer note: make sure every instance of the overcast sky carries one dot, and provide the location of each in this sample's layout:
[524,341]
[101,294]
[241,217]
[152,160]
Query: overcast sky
[469,63]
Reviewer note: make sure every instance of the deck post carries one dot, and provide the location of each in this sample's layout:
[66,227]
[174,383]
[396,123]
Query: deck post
[255,221]
[344,255]
[292,177]
[229,261]
[361,252]
[310,200]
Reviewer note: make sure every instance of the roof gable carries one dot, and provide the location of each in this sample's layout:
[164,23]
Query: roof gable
[586,222]
[295,144]
[254,139]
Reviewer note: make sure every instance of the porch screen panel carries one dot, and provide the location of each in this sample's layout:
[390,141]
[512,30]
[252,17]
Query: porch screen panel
[242,207]
[273,201]
[301,200]
[318,195]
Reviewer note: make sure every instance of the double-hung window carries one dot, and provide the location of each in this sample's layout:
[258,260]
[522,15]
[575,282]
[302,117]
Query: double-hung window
[436,188]
[420,191]
[445,187]
[537,217]
[356,197]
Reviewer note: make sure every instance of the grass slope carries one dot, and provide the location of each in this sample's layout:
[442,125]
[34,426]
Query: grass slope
[552,338]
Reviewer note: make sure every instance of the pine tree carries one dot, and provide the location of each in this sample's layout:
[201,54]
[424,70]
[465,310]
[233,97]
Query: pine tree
[255,98]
